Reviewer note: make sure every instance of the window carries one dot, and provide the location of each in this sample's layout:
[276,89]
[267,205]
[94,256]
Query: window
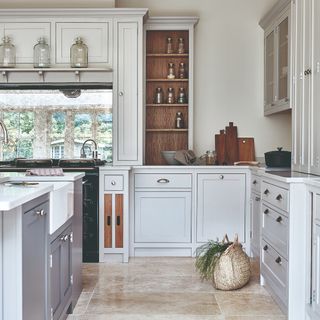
[45,123]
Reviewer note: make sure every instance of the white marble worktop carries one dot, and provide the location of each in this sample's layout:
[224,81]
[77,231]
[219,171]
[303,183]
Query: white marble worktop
[21,176]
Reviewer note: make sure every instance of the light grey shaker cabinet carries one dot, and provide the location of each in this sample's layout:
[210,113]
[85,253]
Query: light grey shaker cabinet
[61,273]
[128,100]
[35,260]
[255,213]
[221,206]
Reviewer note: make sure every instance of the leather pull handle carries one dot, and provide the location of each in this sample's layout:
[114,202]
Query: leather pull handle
[118,220]
[109,221]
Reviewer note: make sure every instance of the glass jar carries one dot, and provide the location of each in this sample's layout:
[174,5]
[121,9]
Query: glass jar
[171,74]
[169,45]
[182,70]
[179,123]
[79,54]
[211,158]
[7,53]
[182,98]
[158,99]
[181,46]
[41,54]
[170,98]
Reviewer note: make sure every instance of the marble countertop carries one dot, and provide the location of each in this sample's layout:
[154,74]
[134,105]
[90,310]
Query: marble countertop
[21,176]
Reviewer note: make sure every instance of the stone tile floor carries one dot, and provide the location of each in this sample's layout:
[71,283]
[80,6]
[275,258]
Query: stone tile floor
[166,289]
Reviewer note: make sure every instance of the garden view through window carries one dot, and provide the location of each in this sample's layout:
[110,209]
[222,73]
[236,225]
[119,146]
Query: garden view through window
[48,124]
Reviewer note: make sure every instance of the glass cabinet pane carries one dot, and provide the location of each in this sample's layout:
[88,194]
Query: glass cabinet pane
[269,76]
[283,59]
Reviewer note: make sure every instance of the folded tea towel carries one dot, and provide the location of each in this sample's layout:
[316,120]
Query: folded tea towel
[45,172]
[185,157]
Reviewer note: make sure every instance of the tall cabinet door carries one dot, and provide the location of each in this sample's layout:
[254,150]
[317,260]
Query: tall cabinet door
[127,95]
[316,271]
[315,107]
[221,206]
[270,69]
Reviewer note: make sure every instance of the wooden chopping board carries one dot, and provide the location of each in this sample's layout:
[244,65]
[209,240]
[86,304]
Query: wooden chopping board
[246,149]
[232,147]
[220,147]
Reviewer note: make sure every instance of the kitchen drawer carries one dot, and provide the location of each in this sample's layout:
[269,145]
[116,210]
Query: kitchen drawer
[275,229]
[113,182]
[274,268]
[255,183]
[162,181]
[277,196]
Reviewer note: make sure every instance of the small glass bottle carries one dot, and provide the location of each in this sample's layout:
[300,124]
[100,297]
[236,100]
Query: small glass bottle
[41,54]
[170,98]
[171,74]
[7,53]
[79,54]
[169,45]
[181,46]
[211,158]
[182,98]
[179,121]
[158,99]
[182,70]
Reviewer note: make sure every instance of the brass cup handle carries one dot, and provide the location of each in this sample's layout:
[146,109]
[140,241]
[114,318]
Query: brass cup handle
[162,180]
[266,191]
[279,219]
[279,197]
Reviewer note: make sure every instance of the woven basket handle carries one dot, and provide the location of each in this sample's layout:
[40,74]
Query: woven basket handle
[225,239]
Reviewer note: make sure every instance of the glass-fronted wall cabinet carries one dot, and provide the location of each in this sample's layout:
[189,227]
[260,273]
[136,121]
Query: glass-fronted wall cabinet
[277,58]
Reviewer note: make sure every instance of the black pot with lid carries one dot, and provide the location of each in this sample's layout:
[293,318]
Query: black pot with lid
[279,158]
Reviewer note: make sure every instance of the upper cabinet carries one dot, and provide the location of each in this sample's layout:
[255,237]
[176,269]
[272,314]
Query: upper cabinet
[277,62]
[306,111]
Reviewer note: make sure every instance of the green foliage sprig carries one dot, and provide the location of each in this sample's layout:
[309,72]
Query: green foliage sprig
[207,256]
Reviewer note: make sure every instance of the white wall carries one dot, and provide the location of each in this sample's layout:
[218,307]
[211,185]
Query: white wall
[228,69]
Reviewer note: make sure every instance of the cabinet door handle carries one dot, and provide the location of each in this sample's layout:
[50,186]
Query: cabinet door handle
[254,182]
[266,191]
[41,213]
[266,211]
[279,197]
[265,248]
[118,220]
[113,183]
[109,221]
[162,180]
[278,261]
[279,219]
[121,93]
[221,177]
[64,238]
[258,199]
[305,72]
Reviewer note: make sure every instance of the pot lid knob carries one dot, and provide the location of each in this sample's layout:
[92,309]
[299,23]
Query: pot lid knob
[279,148]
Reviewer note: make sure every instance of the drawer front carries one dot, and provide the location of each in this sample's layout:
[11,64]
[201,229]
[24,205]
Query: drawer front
[113,182]
[275,229]
[277,196]
[274,267]
[162,181]
[256,183]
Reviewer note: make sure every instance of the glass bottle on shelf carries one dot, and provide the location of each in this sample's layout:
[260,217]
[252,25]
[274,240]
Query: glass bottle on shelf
[181,46]
[158,99]
[179,121]
[170,98]
[171,74]
[182,98]
[79,54]
[182,70]
[41,54]
[7,53]
[169,45]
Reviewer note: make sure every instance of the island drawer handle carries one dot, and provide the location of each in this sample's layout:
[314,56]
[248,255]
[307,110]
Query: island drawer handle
[254,182]
[265,248]
[278,261]
[258,199]
[266,211]
[266,191]
[162,180]
[279,197]
[279,219]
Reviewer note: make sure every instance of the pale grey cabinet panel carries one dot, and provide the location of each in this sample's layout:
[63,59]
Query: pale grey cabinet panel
[163,217]
[255,224]
[221,206]
[316,271]
[61,273]
[35,262]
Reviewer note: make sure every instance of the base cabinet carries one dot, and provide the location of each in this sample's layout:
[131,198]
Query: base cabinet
[61,277]
[316,272]
[221,206]
[255,224]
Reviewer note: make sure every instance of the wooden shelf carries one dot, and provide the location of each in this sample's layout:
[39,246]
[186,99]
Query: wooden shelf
[167,80]
[166,130]
[167,105]
[168,55]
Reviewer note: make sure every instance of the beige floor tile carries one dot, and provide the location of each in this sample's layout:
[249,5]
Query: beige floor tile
[143,317]
[82,303]
[246,304]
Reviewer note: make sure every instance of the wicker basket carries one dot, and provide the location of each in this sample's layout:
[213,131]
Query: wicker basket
[233,269]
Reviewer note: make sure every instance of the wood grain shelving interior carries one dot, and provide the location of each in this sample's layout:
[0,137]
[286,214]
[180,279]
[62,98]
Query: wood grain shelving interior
[161,133]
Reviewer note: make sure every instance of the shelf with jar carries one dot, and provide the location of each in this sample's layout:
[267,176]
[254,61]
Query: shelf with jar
[169,86]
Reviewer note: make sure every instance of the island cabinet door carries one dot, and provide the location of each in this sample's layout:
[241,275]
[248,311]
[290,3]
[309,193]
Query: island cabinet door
[35,262]
[316,271]
[220,206]
[163,217]
[60,273]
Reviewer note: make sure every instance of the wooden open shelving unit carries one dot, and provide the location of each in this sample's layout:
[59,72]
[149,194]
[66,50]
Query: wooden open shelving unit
[161,133]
